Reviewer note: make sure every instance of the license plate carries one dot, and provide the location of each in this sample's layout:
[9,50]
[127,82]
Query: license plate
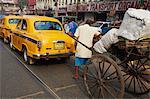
[58,46]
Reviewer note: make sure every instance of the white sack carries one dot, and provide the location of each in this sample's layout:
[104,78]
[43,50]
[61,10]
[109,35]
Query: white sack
[106,41]
[135,24]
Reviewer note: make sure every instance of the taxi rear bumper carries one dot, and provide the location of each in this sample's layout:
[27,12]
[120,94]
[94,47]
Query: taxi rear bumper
[47,55]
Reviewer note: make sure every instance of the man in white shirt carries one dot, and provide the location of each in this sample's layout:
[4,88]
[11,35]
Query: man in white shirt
[85,34]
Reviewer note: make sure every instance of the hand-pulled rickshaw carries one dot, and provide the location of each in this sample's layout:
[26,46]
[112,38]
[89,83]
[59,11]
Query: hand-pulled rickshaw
[126,65]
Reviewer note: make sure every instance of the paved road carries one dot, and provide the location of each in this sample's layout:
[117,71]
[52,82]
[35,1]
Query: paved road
[56,74]
[16,81]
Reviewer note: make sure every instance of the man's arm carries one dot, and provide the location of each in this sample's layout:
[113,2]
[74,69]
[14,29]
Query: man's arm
[77,33]
[96,38]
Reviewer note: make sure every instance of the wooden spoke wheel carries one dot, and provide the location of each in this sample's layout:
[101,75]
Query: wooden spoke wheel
[137,76]
[103,78]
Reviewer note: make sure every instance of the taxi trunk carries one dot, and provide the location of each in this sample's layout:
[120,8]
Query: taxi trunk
[55,44]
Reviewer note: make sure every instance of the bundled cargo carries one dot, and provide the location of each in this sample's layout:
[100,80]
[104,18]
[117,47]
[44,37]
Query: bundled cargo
[135,24]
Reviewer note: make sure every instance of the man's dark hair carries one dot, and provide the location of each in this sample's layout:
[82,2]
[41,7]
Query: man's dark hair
[105,25]
[71,19]
[89,21]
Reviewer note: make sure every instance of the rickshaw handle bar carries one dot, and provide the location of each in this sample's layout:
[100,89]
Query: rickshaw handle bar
[90,48]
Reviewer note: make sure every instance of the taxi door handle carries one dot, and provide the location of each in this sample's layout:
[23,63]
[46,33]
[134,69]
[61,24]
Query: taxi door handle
[24,33]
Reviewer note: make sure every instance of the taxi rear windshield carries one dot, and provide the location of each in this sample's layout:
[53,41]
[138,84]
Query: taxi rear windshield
[47,25]
[13,21]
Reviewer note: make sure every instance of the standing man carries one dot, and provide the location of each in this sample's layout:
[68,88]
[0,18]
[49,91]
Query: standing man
[111,16]
[72,26]
[66,27]
[85,34]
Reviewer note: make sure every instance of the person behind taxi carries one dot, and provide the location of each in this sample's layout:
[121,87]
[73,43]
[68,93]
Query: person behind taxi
[72,25]
[66,27]
[85,34]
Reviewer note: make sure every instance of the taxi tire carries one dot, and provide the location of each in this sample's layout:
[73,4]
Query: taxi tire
[65,59]
[5,40]
[2,35]
[11,45]
[27,59]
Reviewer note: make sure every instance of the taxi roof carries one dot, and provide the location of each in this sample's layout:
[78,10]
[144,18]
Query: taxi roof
[12,16]
[40,18]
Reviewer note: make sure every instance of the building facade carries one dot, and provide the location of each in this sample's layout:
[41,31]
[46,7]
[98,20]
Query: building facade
[98,9]
[95,9]
[59,6]
[9,6]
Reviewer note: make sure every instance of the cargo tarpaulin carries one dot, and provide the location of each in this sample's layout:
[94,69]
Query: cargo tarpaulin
[135,24]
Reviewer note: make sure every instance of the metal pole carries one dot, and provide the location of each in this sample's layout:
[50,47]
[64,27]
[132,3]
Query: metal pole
[77,8]
[56,7]
[73,37]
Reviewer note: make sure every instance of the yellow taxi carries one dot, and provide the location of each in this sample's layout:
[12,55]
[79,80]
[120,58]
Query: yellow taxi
[1,27]
[7,25]
[41,37]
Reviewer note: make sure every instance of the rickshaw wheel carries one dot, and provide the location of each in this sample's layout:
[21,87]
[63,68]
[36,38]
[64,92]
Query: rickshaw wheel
[137,76]
[103,78]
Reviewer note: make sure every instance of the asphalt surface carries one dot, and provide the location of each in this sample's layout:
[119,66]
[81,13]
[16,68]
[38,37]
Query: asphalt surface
[17,82]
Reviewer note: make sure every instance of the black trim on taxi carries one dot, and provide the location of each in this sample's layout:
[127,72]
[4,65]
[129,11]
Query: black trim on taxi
[27,38]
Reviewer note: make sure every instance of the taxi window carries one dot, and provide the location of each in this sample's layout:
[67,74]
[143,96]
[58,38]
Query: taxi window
[19,24]
[13,21]
[24,25]
[4,21]
[47,25]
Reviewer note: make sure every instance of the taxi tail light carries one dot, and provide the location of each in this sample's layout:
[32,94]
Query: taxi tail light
[39,45]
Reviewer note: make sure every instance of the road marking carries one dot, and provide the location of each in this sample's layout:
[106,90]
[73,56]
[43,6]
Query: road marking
[30,95]
[65,87]
[41,81]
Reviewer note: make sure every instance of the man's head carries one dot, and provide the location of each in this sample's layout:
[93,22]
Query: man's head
[71,19]
[89,21]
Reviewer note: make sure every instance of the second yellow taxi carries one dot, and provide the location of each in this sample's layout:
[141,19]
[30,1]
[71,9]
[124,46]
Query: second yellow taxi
[7,25]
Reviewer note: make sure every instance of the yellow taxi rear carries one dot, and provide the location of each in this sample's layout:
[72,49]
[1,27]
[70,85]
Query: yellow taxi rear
[54,44]
[42,37]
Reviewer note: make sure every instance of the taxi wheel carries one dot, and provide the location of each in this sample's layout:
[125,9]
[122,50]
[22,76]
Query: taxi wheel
[5,40]
[2,35]
[65,59]
[26,58]
[11,45]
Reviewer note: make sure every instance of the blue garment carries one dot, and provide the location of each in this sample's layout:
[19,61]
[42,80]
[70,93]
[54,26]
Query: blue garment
[72,27]
[80,61]
[105,30]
